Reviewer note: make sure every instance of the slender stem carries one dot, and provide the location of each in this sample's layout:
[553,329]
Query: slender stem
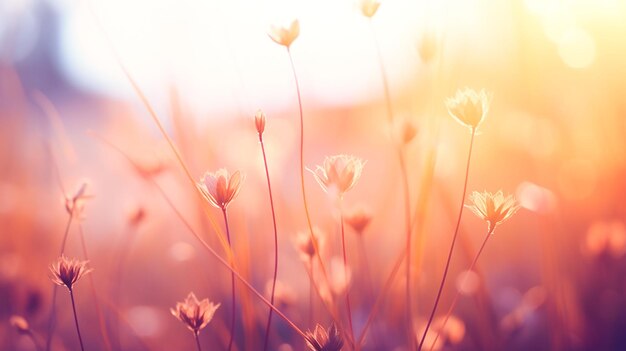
[269,187]
[306,205]
[456,232]
[232,285]
[345,273]
[80,339]
[457,295]
[157,122]
[405,189]
[205,245]
[54,289]
[195,334]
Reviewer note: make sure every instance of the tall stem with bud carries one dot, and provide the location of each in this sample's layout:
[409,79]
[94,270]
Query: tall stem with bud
[260,127]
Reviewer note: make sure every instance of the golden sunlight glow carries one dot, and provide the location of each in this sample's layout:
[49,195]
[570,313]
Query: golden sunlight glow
[192,45]
[577,48]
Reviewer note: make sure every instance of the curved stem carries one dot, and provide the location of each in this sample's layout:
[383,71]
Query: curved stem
[195,334]
[306,205]
[206,246]
[80,339]
[456,297]
[345,273]
[232,286]
[269,187]
[456,232]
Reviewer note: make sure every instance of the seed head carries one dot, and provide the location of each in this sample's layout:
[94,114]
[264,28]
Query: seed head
[285,35]
[368,7]
[195,314]
[324,340]
[259,121]
[469,107]
[493,208]
[339,173]
[67,271]
[220,188]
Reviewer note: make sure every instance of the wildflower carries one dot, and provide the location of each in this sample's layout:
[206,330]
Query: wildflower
[368,7]
[20,324]
[358,219]
[339,173]
[285,35]
[66,271]
[324,340]
[75,204]
[259,121]
[220,188]
[469,107]
[493,208]
[195,314]
[305,246]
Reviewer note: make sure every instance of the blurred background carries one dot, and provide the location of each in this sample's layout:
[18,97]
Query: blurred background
[551,278]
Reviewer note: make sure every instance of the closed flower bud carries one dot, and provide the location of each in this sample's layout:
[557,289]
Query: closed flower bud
[259,121]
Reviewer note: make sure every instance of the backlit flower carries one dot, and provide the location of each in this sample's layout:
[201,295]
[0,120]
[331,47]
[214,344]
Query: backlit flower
[285,35]
[195,314]
[493,208]
[220,188]
[66,271]
[339,173]
[368,7]
[324,340]
[469,107]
